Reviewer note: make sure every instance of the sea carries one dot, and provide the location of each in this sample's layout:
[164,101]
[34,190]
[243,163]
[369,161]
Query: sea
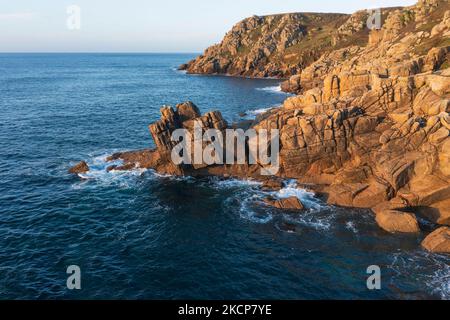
[141,235]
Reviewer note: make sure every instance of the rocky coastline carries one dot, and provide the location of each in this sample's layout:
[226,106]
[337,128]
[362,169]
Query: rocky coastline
[369,126]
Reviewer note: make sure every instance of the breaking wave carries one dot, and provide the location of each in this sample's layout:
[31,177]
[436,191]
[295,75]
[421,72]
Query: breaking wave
[249,198]
[252,114]
[276,89]
[99,174]
[308,198]
[179,71]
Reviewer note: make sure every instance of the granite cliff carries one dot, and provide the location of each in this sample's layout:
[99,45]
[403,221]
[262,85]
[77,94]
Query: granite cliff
[270,46]
[281,45]
[369,126]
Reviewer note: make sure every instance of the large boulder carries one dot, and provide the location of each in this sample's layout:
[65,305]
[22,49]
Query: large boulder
[428,103]
[293,84]
[438,241]
[80,167]
[397,221]
[396,203]
[361,195]
[439,83]
[291,203]
[434,59]
[442,27]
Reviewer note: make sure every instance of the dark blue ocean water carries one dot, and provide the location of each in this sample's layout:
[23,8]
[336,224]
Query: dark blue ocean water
[140,235]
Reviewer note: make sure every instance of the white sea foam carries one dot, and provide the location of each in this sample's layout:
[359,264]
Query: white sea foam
[233,183]
[247,210]
[257,111]
[306,197]
[170,176]
[260,111]
[311,217]
[249,198]
[98,173]
[440,282]
[179,71]
[251,114]
[276,89]
[350,225]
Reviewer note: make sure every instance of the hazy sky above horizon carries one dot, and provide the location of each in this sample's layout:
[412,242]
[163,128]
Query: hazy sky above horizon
[144,25]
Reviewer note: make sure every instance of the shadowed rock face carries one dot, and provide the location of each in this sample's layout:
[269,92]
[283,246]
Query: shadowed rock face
[370,125]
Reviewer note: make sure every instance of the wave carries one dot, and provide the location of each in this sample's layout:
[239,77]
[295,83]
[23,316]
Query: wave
[170,176]
[350,225]
[249,198]
[252,114]
[234,183]
[308,198]
[273,89]
[99,174]
[179,71]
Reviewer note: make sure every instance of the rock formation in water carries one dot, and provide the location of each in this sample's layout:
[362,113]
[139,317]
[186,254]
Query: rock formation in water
[371,119]
[80,167]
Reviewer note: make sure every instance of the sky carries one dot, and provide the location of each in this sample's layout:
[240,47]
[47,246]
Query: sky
[143,25]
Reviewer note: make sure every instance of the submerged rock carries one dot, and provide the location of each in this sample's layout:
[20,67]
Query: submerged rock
[438,241]
[80,167]
[288,227]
